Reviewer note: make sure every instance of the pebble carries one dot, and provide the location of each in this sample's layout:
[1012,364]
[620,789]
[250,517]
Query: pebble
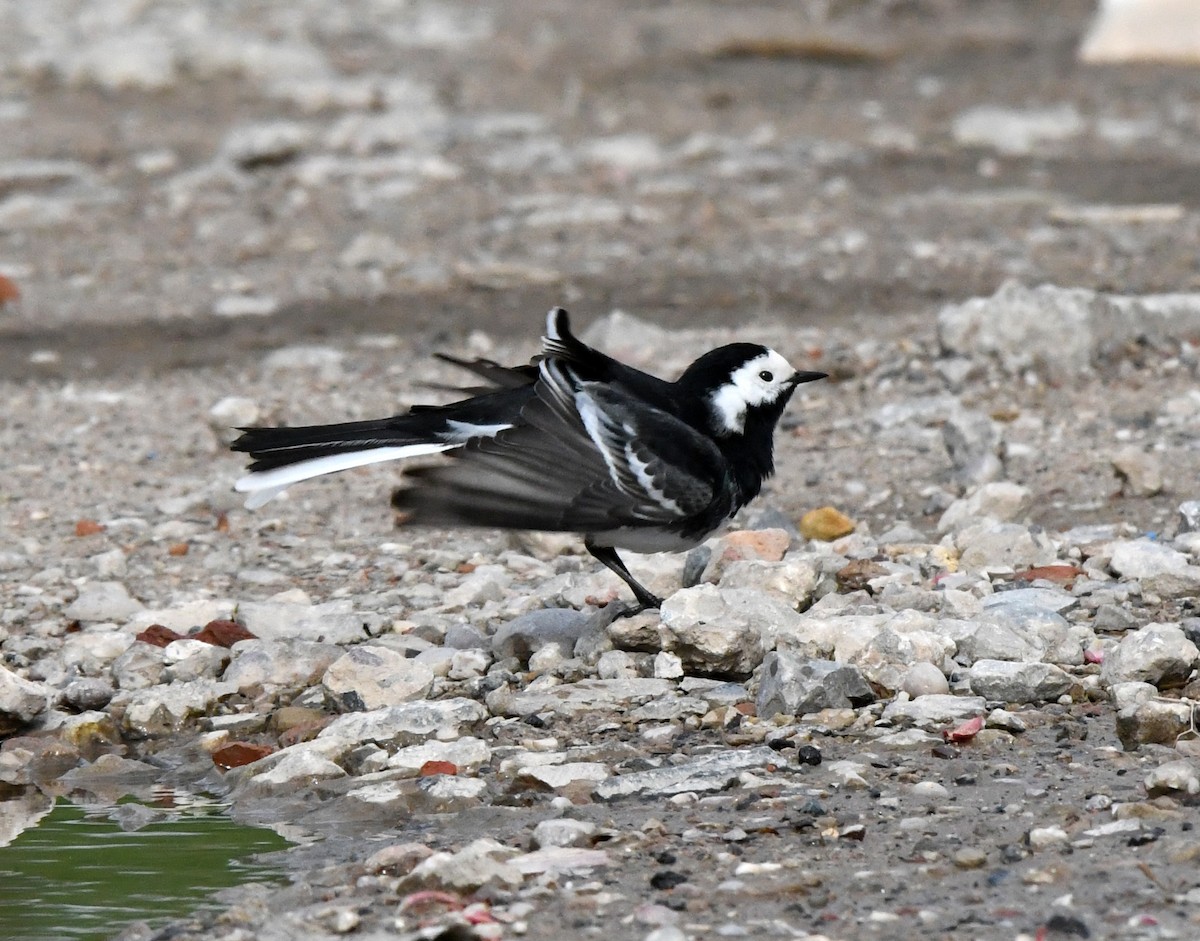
[21,700]
[1189,516]
[1181,778]
[1001,501]
[562,831]
[970,857]
[723,630]
[524,635]
[370,677]
[1140,472]
[1159,654]
[1020,131]
[260,664]
[791,685]
[933,710]
[1041,839]
[103,601]
[924,679]
[1010,682]
[565,775]
[825,524]
[1142,558]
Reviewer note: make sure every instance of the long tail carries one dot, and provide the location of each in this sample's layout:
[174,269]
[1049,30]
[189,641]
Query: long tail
[284,456]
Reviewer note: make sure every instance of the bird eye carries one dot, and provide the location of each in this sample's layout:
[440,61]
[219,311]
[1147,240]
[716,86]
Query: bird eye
[766,375]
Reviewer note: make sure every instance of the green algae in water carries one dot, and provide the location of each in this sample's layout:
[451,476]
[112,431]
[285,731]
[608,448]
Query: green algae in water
[77,876]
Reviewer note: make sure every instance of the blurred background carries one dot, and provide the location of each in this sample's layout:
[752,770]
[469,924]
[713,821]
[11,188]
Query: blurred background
[217,178]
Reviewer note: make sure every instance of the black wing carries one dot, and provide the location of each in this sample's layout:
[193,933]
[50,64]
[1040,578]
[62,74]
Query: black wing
[583,457]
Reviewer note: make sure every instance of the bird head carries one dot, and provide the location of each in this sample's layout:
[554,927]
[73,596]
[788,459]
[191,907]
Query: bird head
[745,388]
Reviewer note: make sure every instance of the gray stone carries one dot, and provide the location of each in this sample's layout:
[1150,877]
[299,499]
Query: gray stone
[1140,472]
[268,143]
[934,710]
[528,633]
[1048,329]
[139,667]
[371,677]
[972,441]
[21,700]
[667,666]
[792,581]
[1167,586]
[1176,778]
[334,622]
[564,775]
[563,831]
[1008,681]
[568,699]
[1142,558]
[1157,653]
[163,709]
[187,660]
[466,753]
[1024,599]
[616,664]
[408,724]
[274,663]
[296,767]
[711,772]
[481,863]
[724,630]
[465,637]
[794,686]
[92,651]
[924,679]
[1189,516]
[1001,501]
[88,693]
[103,601]
[989,545]
[1013,632]
[1141,721]
[1018,131]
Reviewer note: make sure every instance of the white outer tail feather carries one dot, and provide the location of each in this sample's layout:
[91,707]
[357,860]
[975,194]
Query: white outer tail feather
[264,486]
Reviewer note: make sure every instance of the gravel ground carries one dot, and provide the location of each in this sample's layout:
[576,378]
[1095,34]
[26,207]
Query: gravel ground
[971,717]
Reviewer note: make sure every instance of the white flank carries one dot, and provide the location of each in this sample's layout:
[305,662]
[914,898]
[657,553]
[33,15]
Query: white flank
[266,485]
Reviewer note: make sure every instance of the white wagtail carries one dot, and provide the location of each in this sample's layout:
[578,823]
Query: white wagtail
[575,442]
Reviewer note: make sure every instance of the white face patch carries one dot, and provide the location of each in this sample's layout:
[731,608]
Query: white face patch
[758,382]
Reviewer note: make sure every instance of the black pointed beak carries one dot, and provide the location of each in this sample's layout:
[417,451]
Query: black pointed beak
[802,377]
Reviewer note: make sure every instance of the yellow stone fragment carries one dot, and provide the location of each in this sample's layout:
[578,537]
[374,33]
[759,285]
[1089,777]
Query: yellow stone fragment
[825,524]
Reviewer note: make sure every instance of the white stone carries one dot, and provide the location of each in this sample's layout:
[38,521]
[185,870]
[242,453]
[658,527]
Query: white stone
[369,677]
[1141,558]
[558,776]
[103,601]
[1001,500]
[1008,681]
[466,753]
[1158,653]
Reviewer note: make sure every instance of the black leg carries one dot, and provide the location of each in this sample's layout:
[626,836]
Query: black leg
[612,561]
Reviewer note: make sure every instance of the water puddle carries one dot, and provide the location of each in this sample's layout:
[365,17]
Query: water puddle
[86,872]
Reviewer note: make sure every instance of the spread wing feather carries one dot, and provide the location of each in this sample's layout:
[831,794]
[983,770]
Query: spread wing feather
[583,457]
